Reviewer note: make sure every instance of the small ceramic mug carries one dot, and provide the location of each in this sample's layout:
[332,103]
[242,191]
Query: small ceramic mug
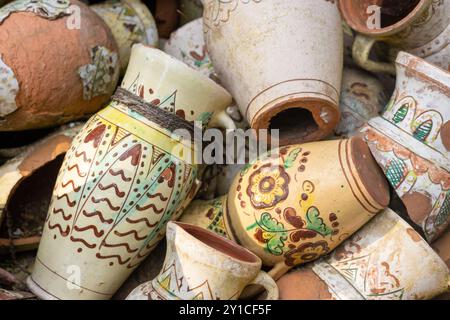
[420,27]
[201,265]
[170,84]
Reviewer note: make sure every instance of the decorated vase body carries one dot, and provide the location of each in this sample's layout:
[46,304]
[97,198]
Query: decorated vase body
[45,81]
[411,142]
[123,179]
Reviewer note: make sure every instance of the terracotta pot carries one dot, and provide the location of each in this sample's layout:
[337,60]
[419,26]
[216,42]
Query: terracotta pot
[130,22]
[172,86]
[385,260]
[211,268]
[298,205]
[421,27]
[166,15]
[188,45]
[126,175]
[411,142]
[290,83]
[46,81]
[362,98]
[190,10]
[26,183]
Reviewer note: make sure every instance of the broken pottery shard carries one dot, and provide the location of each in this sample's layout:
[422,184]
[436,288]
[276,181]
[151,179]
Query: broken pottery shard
[98,76]
[49,9]
[9,87]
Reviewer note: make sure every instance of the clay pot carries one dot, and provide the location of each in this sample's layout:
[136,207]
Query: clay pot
[290,83]
[190,10]
[170,85]
[298,205]
[126,175]
[362,98]
[411,142]
[421,27]
[385,260]
[130,22]
[212,268]
[26,184]
[188,45]
[166,16]
[46,81]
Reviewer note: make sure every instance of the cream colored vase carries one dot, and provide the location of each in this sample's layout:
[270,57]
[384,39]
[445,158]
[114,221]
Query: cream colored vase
[386,260]
[299,204]
[130,22]
[282,62]
[169,84]
[422,30]
[200,265]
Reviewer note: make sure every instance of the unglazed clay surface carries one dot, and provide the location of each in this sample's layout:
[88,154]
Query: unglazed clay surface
[51,90]
[410,141]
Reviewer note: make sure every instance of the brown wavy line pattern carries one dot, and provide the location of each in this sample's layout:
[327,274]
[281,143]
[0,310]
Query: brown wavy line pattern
[147,222]
[64,233]
[66,218]
[133,232]
[152,206]
[99,215]
[118,193]
[159,194]
[94,229]
[119,259]
[69,203]
[89,245]
[85,158]
[123,244]
[121,173]
[75,189]
[108,202]
[75,166]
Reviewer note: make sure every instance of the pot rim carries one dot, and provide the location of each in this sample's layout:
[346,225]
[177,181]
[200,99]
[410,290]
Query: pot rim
[386,31]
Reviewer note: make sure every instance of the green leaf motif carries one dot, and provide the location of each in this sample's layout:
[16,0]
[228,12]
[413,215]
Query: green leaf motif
[289,162]
[275,230]
[315,222]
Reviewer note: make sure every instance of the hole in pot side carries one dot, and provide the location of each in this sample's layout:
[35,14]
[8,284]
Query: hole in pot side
[294,123]
[28,205]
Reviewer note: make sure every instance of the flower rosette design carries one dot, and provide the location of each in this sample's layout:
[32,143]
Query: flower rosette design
[306,252]
[268,186]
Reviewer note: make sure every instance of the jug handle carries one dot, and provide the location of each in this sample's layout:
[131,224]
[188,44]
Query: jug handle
[222,120]
[263,279]
[361,49]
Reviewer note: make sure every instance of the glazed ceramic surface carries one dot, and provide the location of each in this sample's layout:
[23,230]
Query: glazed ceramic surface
[362,98]
[171,85]
[385,260]
[130,22]
[424,31]
[282,62]
[44,81]
[188,45]
[125,176]
[411,142]
[200,265]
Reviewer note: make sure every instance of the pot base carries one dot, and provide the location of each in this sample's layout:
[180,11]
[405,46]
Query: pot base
[38,291]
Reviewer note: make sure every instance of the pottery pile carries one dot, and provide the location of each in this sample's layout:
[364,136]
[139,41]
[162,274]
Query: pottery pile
[105,113]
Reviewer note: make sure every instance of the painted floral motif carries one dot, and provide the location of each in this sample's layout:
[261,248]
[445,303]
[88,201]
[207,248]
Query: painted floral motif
[306,252]
[220,11]
[270,232]
[268,186]
[9,87]
[99,76]
[49,9]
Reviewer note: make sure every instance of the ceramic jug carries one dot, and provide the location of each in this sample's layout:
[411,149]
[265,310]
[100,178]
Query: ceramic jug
[166,16]
[385,260]
[125,176]
[362,98]
[130,22]
[421,27]
[45,81]
[411,142]
[298,204]
[282,62]
[171,85]
[201,265]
